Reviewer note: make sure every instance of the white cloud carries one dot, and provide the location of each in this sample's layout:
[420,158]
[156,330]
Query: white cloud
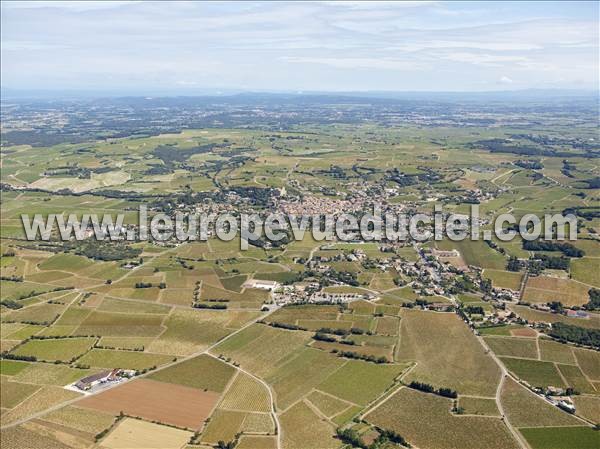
[358,63]
[505,80]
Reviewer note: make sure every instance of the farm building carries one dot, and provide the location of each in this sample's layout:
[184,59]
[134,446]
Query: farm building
[577,314]
[88,382]
[262,284]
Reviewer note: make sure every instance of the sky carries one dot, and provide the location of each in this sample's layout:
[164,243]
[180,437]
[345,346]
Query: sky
[299,46]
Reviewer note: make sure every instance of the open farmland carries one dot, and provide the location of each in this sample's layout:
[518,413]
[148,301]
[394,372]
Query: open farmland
[504,279]
[162,402]
[302,428]
[446,352]
[288,343]
[82,419]
[63,349]
[407,410]
[562,438]
[525,409]
[536,373]
[203,372]
[303,371]
[121,325]
[361,382]
[543,289]
[133,434]
[106,358]
[42,399]
[260,348]
[534,316]
[246,394]
[588,407]
[479,406]
[513,346]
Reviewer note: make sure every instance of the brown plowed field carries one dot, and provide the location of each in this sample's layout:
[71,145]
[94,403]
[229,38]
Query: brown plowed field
[156,401]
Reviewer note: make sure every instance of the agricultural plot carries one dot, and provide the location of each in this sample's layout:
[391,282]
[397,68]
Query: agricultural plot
[303,371]
[52,374]
[38,314]
[504,279]
[257,442]
[536,373]
[302,428]
[535,316]
[188,331]
[12,367]
[223,426]
[84,420]
[589,362]
[507,330]
[479,406]
[476,253]
[63,349]
[40,400]
[562,438]
[107,358]
[123,306]
[134,433]
[361,382]
[575,378]
[14,393]
[588,407]
[260,349]
[246,394]
[203,372]
[327,404]
[525,409]
[406,411]
[121,325]
[291,315]
[513,346]
[446,352]
[34,436]
[556,352]
[161,402]
[585,270]
[543,289]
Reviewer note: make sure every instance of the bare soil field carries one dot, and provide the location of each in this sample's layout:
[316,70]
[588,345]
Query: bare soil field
[177,405]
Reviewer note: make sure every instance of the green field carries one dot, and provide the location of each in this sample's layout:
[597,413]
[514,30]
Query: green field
[536,373]
[562,438]
[202,372]
[513,346]
[63,349]
[105,358]
[361,382]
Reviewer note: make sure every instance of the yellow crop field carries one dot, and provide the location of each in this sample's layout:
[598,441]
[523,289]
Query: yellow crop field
[246,394]
[136,434]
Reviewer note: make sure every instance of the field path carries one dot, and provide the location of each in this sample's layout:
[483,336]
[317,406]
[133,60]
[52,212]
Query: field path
[266,385]
[504,374]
